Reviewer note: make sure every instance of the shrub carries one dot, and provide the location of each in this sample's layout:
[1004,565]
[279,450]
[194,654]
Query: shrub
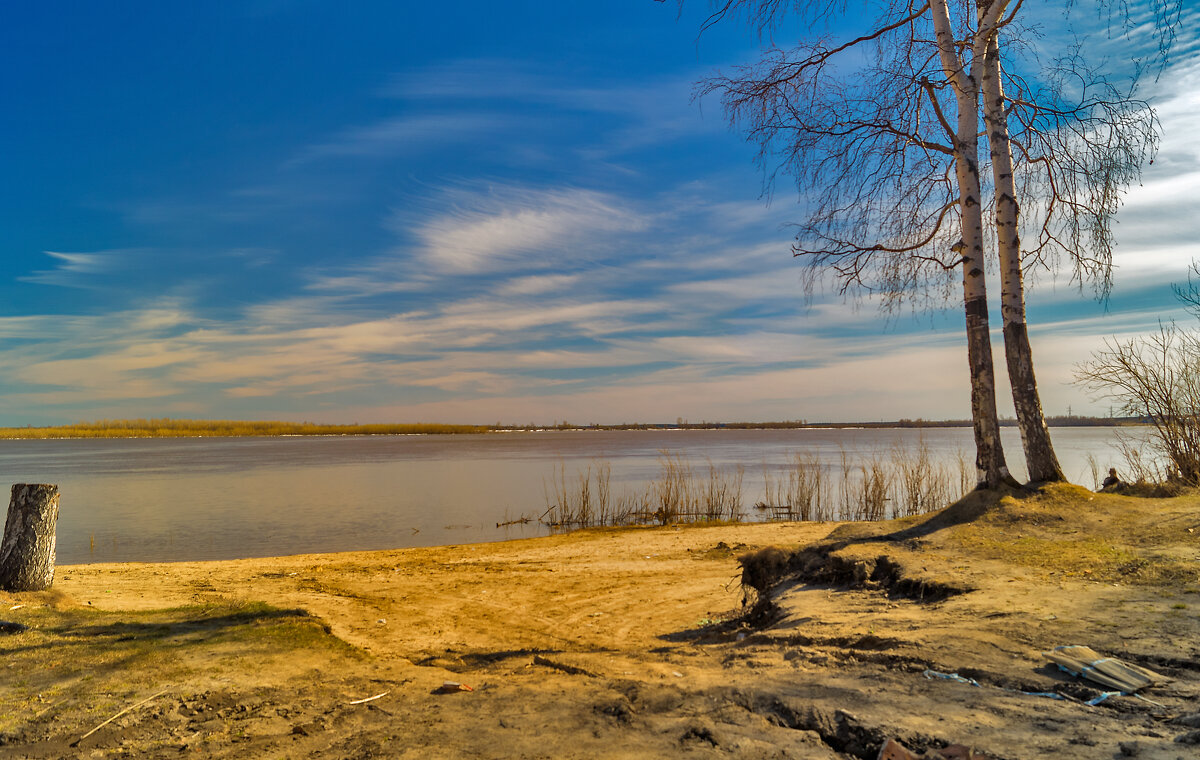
[1156,377]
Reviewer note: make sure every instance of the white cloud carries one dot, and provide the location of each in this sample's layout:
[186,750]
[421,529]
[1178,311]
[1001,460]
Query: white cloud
[73,270]
[539,284]
[509,229]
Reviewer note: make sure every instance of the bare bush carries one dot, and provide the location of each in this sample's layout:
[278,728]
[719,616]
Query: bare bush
[674,491]
[921,484]
[722,497]
[872,492]
[1156,377]
[801,492]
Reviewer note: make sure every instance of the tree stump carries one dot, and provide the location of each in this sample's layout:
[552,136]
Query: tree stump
[27,553]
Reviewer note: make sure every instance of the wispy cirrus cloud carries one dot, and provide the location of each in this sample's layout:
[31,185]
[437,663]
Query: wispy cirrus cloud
[505,81]
[538,284]
[401,135]
[510,230]
[475,105]
[74,270]
[524,240]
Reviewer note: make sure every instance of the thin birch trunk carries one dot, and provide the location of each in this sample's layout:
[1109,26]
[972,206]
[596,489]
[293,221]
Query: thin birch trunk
[1035,436]
[989,454]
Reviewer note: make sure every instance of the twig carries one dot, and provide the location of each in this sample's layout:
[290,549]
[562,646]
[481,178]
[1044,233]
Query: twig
[110,720]
[369,699]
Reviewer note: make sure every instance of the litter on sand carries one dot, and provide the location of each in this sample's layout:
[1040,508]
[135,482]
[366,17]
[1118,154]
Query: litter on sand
[1085,662]
[452,687]
[931,674]
[369,699]
[950,677]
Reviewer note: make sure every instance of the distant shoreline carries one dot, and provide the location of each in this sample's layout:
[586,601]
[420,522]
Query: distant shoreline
[168,428]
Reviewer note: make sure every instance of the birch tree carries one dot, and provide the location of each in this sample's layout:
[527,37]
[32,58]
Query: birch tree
[886,157]
[1040,459]
[961,74]
[1080,141]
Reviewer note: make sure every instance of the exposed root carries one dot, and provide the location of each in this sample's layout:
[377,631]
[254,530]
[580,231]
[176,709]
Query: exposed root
[765,569]
[820,565]
[762,570]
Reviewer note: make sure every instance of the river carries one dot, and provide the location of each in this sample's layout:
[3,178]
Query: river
[222,498]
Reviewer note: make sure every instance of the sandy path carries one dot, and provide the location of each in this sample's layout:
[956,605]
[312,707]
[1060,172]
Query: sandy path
[594,591]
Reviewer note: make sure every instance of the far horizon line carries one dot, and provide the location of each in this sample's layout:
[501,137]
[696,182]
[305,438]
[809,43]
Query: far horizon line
[170,428]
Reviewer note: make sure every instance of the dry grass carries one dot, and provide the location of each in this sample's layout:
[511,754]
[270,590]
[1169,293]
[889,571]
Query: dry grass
[870,487]
[800,492]
[68,655]
[1070,556]
[1069,531]
[584,498]
[1062,531]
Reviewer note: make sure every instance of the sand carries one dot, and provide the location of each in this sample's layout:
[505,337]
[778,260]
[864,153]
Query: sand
[627,643]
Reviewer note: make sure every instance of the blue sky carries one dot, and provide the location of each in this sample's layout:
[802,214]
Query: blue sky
[463,212]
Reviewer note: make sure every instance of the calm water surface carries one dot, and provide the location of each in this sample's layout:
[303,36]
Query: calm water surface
[221,498]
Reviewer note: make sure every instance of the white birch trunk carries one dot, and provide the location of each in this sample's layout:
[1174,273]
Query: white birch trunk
[1035,436]
[989,454]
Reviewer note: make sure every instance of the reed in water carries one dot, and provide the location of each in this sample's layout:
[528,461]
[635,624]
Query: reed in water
[871,486]
[585,498]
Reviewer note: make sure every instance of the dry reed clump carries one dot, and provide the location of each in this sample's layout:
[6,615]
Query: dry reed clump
[676,495]
[801,492]
[864,488]
[585,500]
[1141,474]
[922,484]
[868,486]
[722,497]
[860,487]
[674,492]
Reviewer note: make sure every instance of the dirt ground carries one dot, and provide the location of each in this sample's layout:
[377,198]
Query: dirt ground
[628,643]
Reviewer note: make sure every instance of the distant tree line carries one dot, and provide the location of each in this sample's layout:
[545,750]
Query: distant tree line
[169,428]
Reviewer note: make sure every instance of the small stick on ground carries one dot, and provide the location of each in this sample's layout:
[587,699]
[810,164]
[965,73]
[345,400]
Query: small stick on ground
[110,720]
[369,699]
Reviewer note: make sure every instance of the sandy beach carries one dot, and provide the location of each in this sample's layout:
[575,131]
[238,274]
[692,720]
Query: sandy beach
[632,643]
